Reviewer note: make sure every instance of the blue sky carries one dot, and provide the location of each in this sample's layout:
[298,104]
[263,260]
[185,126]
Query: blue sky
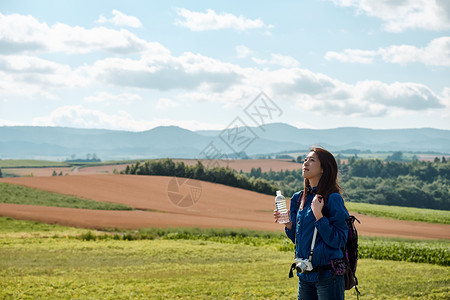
[135,65]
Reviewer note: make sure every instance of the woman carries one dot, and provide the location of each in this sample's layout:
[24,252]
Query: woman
[319,206]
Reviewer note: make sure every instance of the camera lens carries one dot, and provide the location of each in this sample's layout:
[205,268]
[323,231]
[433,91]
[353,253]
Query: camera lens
[301,267]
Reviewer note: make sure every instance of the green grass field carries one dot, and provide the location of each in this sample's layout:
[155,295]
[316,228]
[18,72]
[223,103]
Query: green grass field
[401,213]
[11,193]
[58,268]
[53,262]
[30,163]
[41,261]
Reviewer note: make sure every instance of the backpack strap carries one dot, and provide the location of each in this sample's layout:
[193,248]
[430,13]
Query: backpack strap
[324,209]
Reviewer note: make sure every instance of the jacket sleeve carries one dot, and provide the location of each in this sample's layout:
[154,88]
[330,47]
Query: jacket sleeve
[293,216]
[333,229]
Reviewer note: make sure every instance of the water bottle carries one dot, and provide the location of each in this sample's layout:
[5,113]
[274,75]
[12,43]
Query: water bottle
[280,203]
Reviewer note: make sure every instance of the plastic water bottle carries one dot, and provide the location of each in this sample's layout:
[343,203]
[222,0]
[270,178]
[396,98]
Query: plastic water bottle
[280,203]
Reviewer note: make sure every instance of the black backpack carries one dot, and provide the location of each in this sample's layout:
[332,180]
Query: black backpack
[351,255]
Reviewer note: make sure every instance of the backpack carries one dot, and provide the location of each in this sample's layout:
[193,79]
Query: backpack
[347,265]
[351,255]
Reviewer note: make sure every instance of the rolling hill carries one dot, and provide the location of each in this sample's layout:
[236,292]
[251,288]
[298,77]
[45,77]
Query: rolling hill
[155,200]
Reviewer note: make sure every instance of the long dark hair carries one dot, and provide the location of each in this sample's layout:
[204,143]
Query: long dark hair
[328,182]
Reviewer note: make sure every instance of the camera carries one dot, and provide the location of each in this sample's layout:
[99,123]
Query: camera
[303,265]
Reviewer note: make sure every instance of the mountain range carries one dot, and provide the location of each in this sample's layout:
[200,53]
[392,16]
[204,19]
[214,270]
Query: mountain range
[59,143]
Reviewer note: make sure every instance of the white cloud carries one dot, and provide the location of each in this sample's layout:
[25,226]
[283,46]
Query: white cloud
[233,97]
[25,34]
[18,64]
[349,108]
[164,103]
[120,19]
[188,71]
[279,60]
[10,123]
[124,98]
[301,81]
[318,93]
[445,100]
[243,51]
[197,77]
[436,53]
[399,16]
[404,95]
[210,20]
[352,56]
[28,76]
[275,59]
[78,117]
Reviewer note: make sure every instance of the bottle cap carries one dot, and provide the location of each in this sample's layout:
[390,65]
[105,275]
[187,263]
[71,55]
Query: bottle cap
[278,193]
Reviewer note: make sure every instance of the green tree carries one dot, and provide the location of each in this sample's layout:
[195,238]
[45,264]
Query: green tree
[199,171]
[366,168]
[180,170]
[351,160]
[396,156]
[425,172]
[256,172]
[338,159]
[168,167]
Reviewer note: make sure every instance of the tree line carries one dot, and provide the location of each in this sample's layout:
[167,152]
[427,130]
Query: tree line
[413,184]
[416,184]
[227,176]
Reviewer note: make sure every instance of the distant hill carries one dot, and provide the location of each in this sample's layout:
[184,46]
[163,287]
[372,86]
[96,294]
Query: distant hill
[175,142]
[419,140]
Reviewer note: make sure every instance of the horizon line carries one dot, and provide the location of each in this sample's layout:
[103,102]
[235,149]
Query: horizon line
[213,129]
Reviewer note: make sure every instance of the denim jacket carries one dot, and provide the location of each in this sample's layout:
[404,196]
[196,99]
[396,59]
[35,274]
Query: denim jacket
[331,232]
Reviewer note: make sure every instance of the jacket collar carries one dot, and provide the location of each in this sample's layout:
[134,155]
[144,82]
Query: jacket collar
[312,191]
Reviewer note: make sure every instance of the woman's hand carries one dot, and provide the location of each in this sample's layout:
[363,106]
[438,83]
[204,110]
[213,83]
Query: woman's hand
[317,205]
[276,215]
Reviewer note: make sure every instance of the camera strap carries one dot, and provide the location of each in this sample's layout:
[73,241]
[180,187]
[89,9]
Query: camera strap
[313,242]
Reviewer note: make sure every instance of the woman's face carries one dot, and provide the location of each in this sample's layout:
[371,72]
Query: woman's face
[311,167]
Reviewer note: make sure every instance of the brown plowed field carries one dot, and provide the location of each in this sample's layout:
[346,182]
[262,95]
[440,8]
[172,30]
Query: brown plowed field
[38,172]
[245,165]
[217,206]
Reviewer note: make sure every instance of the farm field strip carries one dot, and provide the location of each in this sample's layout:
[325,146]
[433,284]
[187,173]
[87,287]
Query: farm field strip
[219,206]
[105,219]
[246,165]
[45,168]
[110,269]
[401,213]
[18,194]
